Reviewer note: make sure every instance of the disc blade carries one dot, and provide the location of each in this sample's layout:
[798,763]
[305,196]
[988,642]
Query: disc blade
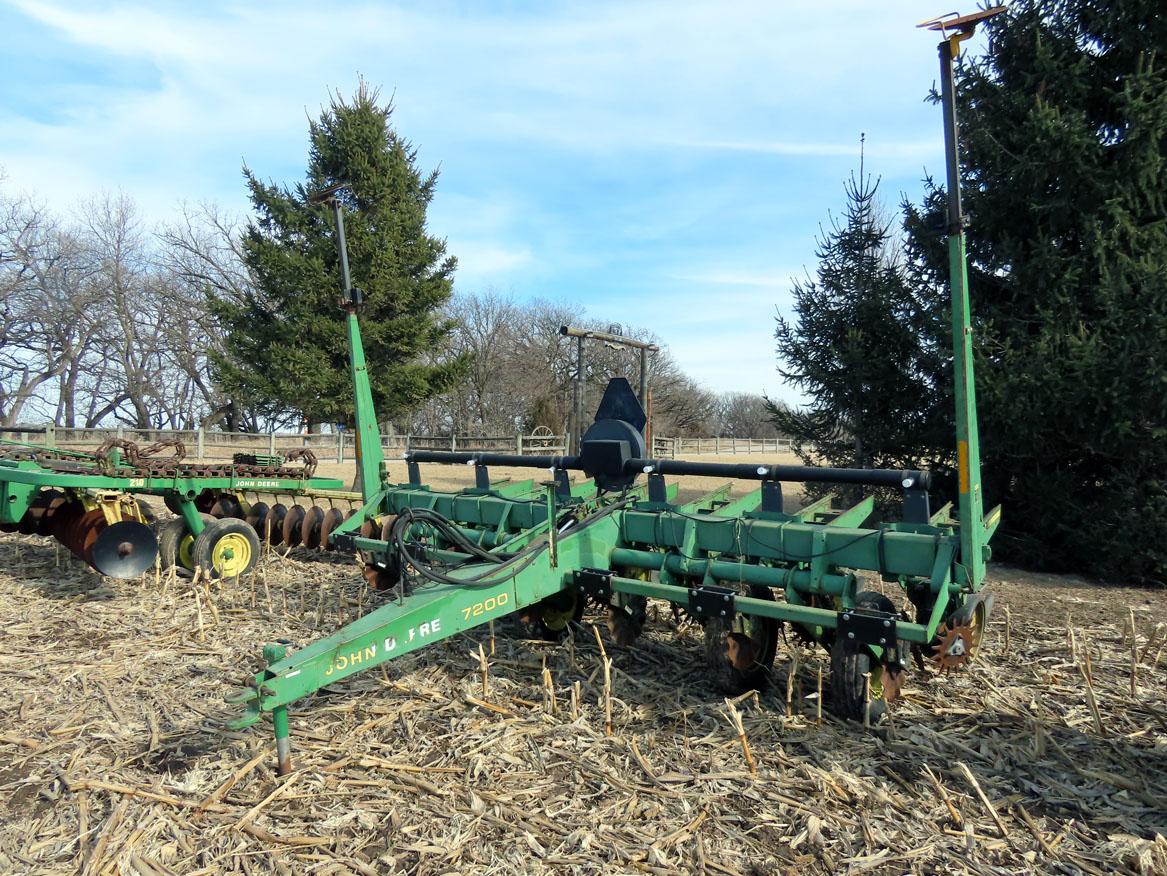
[124,550]
[333,518]
[275,524]
[293,521]
[310,528]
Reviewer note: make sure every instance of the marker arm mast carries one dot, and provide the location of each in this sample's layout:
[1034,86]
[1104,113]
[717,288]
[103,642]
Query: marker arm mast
[370,457]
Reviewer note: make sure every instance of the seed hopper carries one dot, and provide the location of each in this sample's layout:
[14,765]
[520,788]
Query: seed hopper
[617,537]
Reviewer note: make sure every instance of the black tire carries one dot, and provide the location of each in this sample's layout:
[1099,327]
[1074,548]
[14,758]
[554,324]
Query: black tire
[848,667]
[549,618]
[171,550]
[626,622]
[731,667]
[226,548]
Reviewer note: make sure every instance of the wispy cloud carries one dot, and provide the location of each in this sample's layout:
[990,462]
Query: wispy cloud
[917,150]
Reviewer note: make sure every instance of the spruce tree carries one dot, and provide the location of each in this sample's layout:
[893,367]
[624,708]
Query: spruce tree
[859,347]
[285,340]
[1064,154]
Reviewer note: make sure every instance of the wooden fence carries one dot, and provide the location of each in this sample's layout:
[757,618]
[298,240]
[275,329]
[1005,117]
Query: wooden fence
[213,444]
[681,448]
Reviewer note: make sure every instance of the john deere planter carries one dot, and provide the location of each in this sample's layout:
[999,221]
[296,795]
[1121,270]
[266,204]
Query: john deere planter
[741,568]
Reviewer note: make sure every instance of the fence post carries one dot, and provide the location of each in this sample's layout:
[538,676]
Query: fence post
[51,435]
[339,446]
[200,441]
[717,444]
[519,444]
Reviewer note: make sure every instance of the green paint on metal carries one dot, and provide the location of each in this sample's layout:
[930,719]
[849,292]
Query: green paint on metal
[854,515]
[707,502]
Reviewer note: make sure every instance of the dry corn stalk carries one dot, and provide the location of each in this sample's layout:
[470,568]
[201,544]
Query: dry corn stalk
[735,720]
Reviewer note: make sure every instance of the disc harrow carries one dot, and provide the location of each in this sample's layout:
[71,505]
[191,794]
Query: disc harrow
[92,502]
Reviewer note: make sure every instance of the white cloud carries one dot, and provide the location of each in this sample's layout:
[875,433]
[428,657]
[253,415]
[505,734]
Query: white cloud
[480,262]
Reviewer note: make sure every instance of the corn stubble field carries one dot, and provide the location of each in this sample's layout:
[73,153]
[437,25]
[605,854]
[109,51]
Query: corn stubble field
[1049,754]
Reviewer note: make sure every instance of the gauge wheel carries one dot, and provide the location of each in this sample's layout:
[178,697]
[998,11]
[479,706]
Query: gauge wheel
[176,543]
[226,548]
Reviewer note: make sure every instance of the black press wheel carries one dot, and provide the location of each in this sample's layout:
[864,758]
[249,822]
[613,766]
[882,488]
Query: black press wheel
[740,651]
[548,618]
[850,665]
[626,620]
[226,548]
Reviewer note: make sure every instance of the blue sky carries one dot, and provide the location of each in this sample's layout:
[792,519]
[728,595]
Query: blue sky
[663,164]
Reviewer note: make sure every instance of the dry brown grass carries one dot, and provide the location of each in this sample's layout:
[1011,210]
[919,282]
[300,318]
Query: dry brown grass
[113,760]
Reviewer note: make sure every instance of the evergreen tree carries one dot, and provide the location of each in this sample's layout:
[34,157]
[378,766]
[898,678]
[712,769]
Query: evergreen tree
[285,340]
[1064,154]
[861,349]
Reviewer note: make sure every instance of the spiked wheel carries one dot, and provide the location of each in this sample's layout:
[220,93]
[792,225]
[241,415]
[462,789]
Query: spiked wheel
[959,639]
[739,652]
[849,666]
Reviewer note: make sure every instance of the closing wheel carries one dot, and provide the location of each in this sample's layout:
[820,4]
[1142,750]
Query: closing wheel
[739,651]
[850,665]
[227,548]
[176,544]
[959,638]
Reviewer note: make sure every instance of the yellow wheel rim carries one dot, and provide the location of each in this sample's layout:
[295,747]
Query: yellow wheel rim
[231,555]
[186,551]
